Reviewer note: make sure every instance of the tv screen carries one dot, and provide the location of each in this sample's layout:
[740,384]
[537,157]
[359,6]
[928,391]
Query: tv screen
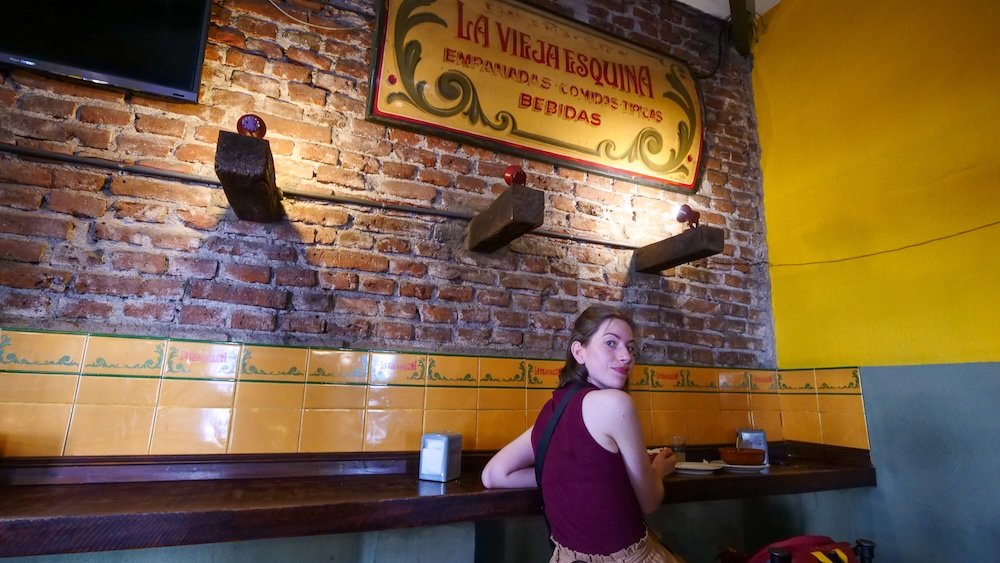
[154,47]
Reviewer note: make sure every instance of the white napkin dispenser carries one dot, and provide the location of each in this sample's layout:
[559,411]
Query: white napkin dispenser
[440,456]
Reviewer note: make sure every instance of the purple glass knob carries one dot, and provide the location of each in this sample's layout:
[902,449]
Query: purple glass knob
[251,125]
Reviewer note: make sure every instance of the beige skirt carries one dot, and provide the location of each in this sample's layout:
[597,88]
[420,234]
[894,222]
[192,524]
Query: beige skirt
[646,550]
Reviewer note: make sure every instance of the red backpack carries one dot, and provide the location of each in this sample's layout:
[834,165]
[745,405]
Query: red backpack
[809,549]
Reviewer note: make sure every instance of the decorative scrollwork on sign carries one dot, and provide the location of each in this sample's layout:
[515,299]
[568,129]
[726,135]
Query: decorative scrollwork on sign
[453,86]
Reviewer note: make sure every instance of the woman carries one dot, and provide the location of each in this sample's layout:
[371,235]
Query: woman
[598,481]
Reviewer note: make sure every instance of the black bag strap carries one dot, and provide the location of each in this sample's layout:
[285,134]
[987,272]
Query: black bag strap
[543,445]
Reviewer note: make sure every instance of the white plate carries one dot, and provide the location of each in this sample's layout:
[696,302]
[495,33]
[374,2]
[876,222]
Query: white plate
[696,468]
[745,468]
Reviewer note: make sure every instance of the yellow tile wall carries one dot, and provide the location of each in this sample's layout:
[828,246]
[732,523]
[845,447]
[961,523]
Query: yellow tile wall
[86,394]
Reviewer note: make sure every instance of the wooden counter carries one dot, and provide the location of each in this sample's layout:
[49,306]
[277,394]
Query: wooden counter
[98,504]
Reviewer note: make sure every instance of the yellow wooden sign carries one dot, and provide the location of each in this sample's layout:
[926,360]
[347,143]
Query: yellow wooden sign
[520,80]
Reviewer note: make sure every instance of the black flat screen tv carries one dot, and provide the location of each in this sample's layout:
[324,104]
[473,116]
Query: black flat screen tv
[152,47]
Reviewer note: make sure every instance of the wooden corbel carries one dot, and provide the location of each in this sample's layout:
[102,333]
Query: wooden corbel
[244,165]
[690,245]
[516,211]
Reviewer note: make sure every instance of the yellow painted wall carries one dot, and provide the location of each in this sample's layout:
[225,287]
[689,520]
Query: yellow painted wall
[880,128]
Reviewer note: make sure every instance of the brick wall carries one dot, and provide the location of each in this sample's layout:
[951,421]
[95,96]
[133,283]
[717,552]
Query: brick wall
[94,249]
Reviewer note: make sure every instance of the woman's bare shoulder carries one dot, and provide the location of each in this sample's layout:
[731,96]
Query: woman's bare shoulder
[615,399]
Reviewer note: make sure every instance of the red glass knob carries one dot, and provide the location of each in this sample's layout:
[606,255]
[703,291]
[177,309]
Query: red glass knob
[514,175]
[251,125]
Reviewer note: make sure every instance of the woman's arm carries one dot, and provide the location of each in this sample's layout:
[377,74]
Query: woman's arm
[611,419]
[513,466]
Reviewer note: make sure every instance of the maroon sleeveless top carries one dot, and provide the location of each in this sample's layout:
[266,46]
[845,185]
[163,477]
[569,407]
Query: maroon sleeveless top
[588,497]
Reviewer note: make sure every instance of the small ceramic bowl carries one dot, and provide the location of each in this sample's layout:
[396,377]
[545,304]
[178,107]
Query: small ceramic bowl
[742,456]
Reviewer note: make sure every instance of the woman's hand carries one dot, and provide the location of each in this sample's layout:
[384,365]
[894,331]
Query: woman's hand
[664,462]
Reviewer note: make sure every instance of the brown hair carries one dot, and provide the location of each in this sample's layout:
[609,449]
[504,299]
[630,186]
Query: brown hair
[583,330]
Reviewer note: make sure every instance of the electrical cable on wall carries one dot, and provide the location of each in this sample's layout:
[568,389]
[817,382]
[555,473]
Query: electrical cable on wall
[866,255]
[721,55]
[303,22]
[889,251]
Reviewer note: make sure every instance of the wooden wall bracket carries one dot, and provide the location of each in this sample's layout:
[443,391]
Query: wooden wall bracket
[692,244]
[245,167]
[516,211]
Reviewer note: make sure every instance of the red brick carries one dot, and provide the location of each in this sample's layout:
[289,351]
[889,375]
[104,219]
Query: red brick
[470,184]
[338,280]
[237,102]
[24,172]
[399,310]
[357,305]
[35,225]
[399,170]
[298,130]
[435,314]
[337,175]
[256,27]
[319,153]
[459,294]
[510,319]
[246,273]
[159,125]
[191,267]
[408,268]
[20,197]
[130,286]
[507,338]
[202,315]
[24,276]
[531,302]
[200,219]
[305,94]
[170,238]
[299,277]
[22,250]
[162,312]
[246,61]
[356,329]
[535,341]
[290,72]
[312,301]
[192,152]
[78,203]
[242,295]
[297,322]
[493,297]
[393,245]
[85,309]
[140,261]
[440,335]
[347,260]
[36,128]
[476,315]
[81,180]
[435,177]
[248,320]
[417,291]
[144,145]
[393,331]
[104,116]
[308,57]
[161,190]
[25,305]
[227,36]
[419,156]
[54,107]
[143,212]
[378,286]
